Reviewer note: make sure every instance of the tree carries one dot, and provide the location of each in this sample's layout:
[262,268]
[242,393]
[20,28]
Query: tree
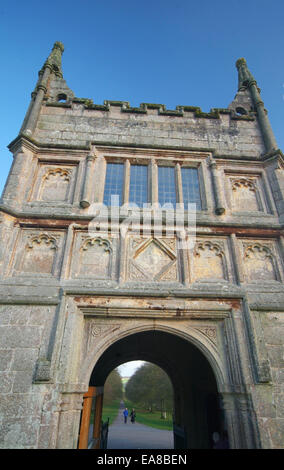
[113,387]
[150,388]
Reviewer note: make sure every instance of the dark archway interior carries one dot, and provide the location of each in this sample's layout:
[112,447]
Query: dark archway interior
[197,413]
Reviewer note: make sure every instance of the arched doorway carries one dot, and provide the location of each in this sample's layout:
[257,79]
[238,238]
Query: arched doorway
[197,412]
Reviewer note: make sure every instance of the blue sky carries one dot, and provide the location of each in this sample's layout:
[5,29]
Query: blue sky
[175,52]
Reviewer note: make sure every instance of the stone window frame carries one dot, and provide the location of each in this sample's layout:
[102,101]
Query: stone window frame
[153,163]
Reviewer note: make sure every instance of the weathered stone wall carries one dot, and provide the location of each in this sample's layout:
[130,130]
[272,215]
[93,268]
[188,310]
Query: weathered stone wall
[76,125]
[268,398]
[238,254]
[25,408]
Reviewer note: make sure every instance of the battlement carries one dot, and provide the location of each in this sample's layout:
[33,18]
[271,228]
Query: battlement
[161,109]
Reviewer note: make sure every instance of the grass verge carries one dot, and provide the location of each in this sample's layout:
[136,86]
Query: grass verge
[151,419]
[110,411]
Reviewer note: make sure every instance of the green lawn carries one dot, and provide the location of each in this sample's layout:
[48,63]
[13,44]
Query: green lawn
[151,419]
[142,416]
[110,411]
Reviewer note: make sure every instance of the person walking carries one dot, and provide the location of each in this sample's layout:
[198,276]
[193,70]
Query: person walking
[132,416]
[125,414]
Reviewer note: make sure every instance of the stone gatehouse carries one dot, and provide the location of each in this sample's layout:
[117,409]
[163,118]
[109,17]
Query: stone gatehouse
[80,298]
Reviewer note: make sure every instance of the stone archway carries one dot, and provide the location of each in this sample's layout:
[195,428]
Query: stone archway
[196,401]
[197,344]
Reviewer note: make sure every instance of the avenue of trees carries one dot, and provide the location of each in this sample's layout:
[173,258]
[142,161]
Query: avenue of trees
[150,388]
[113,389]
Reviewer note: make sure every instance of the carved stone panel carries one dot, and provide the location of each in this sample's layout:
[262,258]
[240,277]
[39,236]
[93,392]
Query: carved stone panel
[54,183]
[152,259]
[97,329]
[209,331]
[209,261]
[38,253]
[259,261]
[93,257]
[246,193]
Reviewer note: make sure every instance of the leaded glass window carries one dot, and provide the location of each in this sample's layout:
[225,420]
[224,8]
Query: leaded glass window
[166,185]
[138,188]
[175,184]
[114,184]
[190,187]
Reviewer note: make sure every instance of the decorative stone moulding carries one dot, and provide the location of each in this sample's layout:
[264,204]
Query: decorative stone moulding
[243,182]
[43,238]
[62,172]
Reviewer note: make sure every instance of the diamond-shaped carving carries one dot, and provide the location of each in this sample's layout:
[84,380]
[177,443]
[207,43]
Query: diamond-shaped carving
[152,258]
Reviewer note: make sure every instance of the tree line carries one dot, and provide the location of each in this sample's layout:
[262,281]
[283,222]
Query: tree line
[113,389]
[150,388]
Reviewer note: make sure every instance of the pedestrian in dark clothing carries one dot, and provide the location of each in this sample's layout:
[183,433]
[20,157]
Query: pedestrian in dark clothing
[133,416]
[125,414]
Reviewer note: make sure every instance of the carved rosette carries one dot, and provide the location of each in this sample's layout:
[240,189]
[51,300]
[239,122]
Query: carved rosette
[97,330]
[209,331]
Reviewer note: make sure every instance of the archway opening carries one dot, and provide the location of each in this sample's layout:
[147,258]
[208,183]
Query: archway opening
[196,411]
[140,417]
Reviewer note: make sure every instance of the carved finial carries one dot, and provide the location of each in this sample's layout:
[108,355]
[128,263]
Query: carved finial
[240,62]
[59,45]
[245,77]
[54,59]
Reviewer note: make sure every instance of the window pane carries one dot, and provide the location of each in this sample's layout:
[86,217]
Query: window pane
[190,187]
[166,185]
[114,183]
[138,185]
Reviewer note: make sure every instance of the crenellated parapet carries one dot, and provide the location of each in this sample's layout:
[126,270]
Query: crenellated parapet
[144,108]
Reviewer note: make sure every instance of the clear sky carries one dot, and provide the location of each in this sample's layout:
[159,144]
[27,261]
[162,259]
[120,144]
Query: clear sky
[175,52]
